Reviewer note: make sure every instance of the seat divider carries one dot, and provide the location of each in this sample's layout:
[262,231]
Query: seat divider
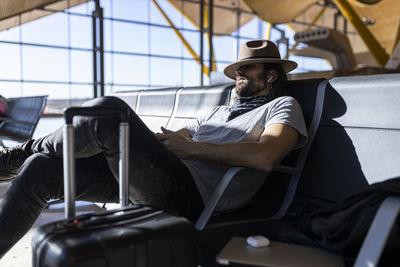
[378,233]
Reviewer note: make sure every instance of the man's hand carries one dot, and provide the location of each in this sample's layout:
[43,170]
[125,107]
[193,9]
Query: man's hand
[175,142]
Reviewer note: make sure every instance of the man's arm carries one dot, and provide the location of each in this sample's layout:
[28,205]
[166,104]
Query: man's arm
[275,143]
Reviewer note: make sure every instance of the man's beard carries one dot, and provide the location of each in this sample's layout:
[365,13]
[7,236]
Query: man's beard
[250,88]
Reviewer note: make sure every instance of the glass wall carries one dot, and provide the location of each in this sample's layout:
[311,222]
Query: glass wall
[49,56]
[53,55]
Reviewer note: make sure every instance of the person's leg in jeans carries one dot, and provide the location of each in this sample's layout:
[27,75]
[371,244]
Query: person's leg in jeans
[41,179]
[157,177]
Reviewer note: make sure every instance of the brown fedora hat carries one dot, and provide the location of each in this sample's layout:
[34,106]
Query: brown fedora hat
[259,51]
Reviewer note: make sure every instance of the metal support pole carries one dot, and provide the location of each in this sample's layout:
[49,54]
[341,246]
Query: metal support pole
[69,171]
[98,50]
[124,165]
[237,37]
[210,32]
[201,41]
[335,21]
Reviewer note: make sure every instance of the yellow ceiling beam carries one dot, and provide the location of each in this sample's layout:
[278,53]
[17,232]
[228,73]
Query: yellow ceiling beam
[268,35]
[180,36]
[373,45]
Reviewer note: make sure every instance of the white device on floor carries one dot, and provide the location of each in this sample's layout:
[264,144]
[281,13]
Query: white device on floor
[258,241]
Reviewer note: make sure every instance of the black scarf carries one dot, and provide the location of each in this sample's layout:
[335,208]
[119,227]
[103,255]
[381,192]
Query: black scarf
[242,105]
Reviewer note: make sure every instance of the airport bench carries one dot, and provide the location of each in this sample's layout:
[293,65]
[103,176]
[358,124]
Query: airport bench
[175,107]
[357,143]
[21,118]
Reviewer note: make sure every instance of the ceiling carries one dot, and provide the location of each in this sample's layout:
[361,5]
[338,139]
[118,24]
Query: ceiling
[17,12]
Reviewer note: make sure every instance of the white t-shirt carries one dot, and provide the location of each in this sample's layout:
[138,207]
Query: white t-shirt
[249,126]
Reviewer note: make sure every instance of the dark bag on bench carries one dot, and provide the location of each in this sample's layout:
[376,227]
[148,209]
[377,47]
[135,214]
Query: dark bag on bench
[342,226]
[129,236]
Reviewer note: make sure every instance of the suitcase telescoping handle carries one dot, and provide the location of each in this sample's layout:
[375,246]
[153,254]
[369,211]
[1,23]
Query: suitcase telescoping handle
[68,152]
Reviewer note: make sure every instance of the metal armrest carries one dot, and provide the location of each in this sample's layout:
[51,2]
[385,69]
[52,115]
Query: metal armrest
[219,191]
[216,196]
[378,233]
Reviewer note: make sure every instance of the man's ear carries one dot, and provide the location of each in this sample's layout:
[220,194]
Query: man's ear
[272,75]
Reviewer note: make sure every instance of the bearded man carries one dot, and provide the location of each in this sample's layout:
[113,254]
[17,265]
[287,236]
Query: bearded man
[169,170]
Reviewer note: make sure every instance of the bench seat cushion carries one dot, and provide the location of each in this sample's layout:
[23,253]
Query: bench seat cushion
[358,142]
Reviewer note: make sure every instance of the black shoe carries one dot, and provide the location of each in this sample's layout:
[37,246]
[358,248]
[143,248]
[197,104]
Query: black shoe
[11,159]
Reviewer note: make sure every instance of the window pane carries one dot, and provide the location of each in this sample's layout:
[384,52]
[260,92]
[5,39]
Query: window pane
[81,91]
[155,15]
[165,42]
[130,37]
[10,35]
[107,8]
[47,64]
[108,68]
[220,77]
[10,61]
[191,73]
[53,90]
[10,89]
[108,35]
[165,72]
[224,48]
[81,66]
[86,8]
[130,69]
[50,30]
[130,9]
[250,29]
[81,32]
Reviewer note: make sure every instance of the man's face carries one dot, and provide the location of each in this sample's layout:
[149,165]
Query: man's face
[250,80]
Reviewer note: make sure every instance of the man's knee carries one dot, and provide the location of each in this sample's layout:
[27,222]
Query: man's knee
[105,101]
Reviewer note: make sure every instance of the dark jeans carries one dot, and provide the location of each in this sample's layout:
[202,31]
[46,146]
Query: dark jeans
[157,177]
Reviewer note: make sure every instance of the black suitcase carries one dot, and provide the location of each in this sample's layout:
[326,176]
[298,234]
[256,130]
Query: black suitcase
[129,236]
